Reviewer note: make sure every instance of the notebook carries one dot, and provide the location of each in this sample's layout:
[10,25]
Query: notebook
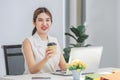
[90,55]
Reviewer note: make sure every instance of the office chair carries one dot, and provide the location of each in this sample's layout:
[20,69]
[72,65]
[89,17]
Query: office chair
[14,60]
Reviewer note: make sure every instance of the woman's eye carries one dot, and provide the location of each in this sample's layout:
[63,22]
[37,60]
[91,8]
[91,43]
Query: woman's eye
[40,20]
[47,20]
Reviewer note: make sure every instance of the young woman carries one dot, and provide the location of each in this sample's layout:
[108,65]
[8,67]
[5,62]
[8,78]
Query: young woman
[39,57]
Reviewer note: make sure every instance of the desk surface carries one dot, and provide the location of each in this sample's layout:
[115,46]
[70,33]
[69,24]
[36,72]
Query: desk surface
[29,77]
[53,77]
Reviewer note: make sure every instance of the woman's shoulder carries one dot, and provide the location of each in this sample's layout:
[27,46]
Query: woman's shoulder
[29,39]
[26,41]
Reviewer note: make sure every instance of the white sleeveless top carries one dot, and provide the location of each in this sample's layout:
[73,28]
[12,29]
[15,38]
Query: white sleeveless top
[39,46]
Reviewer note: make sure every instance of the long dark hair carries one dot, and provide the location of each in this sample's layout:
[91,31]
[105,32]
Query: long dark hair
[39,11]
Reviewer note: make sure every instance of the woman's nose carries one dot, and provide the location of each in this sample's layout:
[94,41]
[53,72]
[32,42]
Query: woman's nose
[44,22]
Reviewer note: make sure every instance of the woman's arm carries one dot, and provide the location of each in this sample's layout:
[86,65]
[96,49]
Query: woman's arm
[30,58]
[62,63]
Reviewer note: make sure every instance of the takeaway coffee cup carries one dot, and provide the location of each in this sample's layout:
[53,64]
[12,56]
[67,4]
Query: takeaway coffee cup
[52,45]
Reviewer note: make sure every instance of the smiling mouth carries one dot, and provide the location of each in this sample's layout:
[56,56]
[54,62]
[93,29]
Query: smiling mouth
[44,28]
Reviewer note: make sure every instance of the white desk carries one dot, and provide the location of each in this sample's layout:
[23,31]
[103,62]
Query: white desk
[53,77]
[29,77]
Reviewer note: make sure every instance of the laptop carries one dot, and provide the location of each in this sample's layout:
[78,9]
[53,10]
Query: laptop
[90,55]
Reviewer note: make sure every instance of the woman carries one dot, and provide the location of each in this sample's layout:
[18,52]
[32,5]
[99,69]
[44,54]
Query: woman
[39,57]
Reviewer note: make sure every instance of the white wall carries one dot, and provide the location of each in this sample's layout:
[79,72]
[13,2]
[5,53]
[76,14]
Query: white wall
[73,12]
[73,16]
[118,30]
[16,21]
[102,28]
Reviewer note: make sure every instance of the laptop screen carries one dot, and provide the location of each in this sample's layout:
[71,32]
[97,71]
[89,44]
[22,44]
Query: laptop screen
[90,55]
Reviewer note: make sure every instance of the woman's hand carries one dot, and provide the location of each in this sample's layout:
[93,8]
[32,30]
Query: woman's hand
[50,52]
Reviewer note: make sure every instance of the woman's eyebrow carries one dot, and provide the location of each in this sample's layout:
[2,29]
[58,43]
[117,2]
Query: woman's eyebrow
[47,18]
[42,18]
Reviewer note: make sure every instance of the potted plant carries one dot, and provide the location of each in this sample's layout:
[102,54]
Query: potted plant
[79,36]
[76,66]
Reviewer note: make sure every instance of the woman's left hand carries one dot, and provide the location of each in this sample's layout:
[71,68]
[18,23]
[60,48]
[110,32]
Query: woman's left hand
[50,52]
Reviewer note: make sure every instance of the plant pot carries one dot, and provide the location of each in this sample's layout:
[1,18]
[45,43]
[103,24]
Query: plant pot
[76,75]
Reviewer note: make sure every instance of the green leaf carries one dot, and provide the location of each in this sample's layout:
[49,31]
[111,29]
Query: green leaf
[70,35]
[66,53]
[75,31]
[66,56]
[82,38]
[87,45]
[67,50]
[81,29]
[75,45]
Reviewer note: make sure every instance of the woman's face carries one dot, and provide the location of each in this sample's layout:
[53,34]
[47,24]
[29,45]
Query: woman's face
[43,23]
